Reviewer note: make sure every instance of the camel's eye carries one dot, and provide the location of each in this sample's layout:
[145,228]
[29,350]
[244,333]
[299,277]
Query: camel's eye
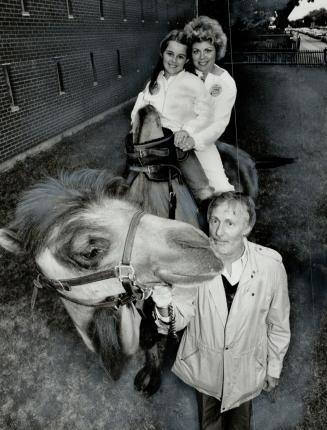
[88,258]
[91,254]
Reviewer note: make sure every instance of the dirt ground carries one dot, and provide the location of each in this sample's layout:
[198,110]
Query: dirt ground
[49,380]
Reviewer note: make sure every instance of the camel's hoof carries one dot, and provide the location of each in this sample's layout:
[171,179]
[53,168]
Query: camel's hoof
[148,380]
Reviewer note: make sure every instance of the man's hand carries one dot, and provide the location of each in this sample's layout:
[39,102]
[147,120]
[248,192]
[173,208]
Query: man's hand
[270,383]
[183,140]
[161,296]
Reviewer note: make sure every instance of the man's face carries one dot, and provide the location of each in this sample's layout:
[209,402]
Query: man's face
[228,224]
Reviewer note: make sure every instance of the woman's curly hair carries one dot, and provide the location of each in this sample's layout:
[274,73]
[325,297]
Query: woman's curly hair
[203,29]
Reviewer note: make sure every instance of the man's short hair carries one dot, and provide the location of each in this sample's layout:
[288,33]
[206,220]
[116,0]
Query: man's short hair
[232,196]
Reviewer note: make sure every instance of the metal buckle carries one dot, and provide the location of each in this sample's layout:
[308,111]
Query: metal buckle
[125,271]
[147,292]
[37,282]
[59,285]
[152,169]
[142,153]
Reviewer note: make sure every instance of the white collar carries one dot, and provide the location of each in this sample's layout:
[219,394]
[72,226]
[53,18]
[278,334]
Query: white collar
[171,78]
[237,268]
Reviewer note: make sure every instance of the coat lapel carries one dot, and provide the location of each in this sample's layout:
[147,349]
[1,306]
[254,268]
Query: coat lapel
[218,296]
[250,269]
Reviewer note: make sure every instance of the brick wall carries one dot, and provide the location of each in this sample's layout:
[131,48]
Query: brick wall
[47,81]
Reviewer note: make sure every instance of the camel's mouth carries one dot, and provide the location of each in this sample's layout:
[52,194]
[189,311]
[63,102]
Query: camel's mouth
[184,279]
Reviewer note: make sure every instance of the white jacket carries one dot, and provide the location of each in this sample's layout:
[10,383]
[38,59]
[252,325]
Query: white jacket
[222,89]
[227,356]
[182,102]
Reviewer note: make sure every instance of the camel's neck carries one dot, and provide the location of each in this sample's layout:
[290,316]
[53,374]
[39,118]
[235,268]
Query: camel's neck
[150,130]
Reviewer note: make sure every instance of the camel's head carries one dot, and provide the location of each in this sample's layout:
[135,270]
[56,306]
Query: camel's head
[77,225]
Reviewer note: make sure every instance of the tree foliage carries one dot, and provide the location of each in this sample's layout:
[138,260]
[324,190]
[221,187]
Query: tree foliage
[317,17]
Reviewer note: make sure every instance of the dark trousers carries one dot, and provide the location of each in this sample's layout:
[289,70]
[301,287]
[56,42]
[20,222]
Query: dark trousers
[212,419]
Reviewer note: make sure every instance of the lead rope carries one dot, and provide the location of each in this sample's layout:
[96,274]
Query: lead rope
[235,113]
[172,322]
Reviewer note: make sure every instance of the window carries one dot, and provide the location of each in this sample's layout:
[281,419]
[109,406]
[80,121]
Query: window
[167,12]
[60,78]
[101,10]
[25,7]
[142,11]
[156,10]
[13,104]
[124,10]
[119,76]
[95,79]
[69,6]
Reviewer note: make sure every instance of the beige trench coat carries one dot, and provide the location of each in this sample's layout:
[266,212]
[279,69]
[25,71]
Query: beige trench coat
[228,356]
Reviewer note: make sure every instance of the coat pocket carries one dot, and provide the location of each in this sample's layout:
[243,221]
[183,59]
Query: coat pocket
[199,365]
[187,348]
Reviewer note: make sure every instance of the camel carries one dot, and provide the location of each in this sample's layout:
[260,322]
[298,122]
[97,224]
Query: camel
[76,227]
[240,168]
[157,171]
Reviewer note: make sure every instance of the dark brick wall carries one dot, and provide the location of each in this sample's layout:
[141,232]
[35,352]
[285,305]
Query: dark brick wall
[31,46]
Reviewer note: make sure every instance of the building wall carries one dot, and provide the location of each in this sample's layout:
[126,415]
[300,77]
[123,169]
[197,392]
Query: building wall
[40,41]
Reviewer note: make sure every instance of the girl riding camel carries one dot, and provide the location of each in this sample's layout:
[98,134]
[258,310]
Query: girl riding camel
[207,42]
[184,105]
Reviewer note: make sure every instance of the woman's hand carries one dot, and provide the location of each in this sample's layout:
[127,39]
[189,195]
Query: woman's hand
[183,140]
[270,383]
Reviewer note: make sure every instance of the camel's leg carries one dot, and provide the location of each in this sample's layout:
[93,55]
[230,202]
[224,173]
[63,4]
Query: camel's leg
[148,379]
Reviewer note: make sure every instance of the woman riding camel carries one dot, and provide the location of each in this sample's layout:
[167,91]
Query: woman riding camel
[208,45]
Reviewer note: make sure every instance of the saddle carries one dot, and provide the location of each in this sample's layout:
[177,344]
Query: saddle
[161,161]
[157,158]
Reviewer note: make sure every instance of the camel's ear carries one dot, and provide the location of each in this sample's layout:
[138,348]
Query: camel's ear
[9,241]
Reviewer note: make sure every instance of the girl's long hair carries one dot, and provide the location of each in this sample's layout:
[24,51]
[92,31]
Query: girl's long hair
[176,36]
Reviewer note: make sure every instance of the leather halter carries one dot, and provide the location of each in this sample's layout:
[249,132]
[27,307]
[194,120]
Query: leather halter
[124,272]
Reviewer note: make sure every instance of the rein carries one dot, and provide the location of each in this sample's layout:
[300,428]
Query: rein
[124,272]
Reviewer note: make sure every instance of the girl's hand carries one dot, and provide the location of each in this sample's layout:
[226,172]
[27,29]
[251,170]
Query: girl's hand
[183,140]
[180,138]
[188,144]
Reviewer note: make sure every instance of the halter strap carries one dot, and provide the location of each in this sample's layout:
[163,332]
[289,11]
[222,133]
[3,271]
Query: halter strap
[129,241]
[124,272]
[66,284]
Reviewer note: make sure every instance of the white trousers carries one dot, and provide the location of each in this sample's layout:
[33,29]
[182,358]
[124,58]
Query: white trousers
[212,165]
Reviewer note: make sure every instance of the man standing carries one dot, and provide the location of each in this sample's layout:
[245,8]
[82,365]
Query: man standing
[237,325]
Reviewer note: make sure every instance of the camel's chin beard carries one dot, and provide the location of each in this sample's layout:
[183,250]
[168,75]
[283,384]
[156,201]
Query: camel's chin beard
[166,276]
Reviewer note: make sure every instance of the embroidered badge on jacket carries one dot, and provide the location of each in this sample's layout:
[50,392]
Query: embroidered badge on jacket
[215,90]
